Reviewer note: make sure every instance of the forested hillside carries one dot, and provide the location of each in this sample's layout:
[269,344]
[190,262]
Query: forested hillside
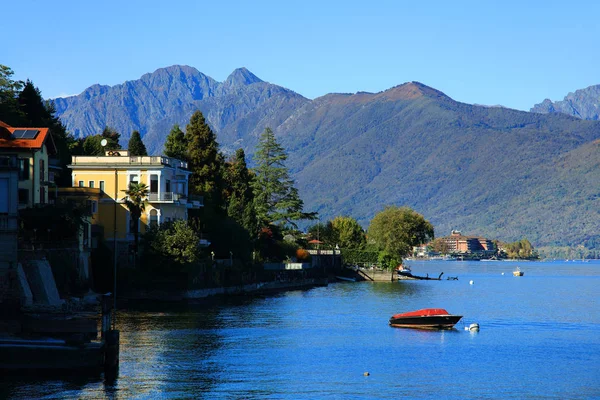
[487,171]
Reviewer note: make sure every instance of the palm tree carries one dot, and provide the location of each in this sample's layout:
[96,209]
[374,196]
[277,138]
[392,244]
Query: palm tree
[135,201]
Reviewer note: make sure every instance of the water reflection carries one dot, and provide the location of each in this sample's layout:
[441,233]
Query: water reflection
[318,343]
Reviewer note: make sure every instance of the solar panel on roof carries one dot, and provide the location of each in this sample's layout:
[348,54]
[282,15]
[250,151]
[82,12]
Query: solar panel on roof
[30,134]
[18,133]
[25,133]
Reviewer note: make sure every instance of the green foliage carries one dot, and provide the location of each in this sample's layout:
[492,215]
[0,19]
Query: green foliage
[10,112]
[277,200]
[135,201]
[348,233]
[238,195]
[204,160]
[92,146]
[135,146]
[440,246]
[112,137]
[230,238]
[53,222]
[521,249]
[176,144]
[395,230]
[324,233]
[172,245]
[22,105]
[389,260]
[359,257]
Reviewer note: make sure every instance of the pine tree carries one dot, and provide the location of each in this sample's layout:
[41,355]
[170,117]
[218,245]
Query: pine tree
[176,144]
[204,160]
[135,146]
[39,113]
[276,198]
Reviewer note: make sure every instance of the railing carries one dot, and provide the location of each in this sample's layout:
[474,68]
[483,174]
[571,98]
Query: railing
[111,161]
[165,196]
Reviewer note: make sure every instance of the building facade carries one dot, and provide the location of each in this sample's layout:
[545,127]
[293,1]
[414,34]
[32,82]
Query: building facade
[166,178]
[457,243]
[32,147]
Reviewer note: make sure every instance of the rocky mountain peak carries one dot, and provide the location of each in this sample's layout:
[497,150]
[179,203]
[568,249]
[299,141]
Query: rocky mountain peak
[241,77]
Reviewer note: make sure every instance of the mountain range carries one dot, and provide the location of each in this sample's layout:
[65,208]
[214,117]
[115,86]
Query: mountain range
[488,171]
[583,103]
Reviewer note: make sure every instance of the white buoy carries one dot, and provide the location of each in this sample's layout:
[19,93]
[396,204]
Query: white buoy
[470,282]
[503,273]
[473,327]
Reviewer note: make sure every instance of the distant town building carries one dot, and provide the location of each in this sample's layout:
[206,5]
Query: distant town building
[457,243]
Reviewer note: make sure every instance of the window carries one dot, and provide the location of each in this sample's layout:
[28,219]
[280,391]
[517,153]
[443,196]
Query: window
[133,179]
[102,186]
[91,184]
[153,218]
[23,169]
[80,183]
[168,186]
[42,171]
[153,183]
[92,206]
[4,196]
[23,196]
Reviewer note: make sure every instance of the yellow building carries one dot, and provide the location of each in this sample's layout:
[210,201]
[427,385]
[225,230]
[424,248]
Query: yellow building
[166,178]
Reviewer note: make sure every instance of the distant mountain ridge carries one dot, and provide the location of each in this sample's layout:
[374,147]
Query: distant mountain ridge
[158,100]
[489,171]
[583,103]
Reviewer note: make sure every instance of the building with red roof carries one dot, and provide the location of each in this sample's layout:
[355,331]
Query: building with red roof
[32,148]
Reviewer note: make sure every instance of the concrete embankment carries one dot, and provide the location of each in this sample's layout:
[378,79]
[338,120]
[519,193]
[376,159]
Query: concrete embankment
[374,275]
[248,289]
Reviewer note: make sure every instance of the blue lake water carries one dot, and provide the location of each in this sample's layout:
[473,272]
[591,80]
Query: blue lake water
[539,338]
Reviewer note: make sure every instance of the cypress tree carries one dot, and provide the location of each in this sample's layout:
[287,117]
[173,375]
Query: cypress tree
[136,147]
[204,160]
[238,193]
[176,144]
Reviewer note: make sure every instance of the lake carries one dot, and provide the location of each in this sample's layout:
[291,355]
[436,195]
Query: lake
[539,338]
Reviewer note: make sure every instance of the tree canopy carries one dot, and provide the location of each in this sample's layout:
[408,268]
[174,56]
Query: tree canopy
[112,137]
[135,146]
[238,195]
[395,230]
[204,159]
[10,112]
[176,144]
[348,233]
[136,201]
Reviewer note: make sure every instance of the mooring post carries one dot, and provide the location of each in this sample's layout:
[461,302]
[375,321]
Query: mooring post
[110,337]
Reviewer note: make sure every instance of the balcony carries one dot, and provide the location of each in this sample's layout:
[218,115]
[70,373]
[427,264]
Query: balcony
[167,197]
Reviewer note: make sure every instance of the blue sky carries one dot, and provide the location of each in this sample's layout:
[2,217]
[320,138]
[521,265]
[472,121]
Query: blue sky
[511,53]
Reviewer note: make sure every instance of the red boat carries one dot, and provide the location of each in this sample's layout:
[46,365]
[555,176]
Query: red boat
[427,318]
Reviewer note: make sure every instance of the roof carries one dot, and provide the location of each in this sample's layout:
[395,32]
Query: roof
[25,138]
